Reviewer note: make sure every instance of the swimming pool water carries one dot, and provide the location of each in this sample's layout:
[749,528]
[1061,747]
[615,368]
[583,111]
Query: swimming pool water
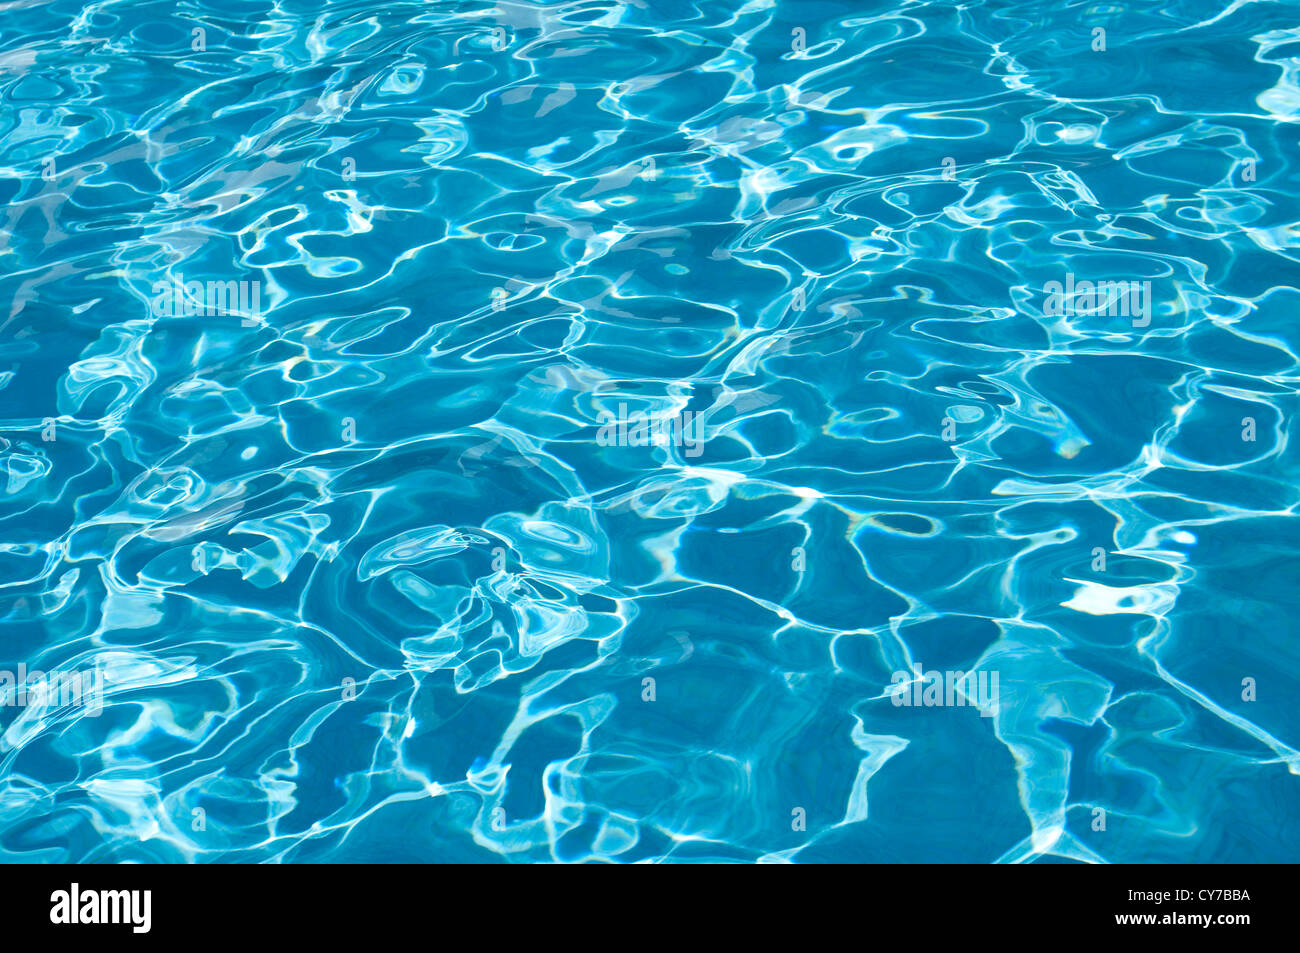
[649,431]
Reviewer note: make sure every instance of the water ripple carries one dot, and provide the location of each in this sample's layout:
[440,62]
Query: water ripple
[677,431]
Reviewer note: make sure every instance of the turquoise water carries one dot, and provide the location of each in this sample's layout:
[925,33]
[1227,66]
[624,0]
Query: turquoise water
[617,411]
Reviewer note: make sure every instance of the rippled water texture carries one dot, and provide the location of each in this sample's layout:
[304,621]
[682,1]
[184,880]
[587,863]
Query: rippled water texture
[619,409]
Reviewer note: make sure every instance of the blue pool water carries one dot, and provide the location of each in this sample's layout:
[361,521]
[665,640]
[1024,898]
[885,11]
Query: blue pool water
[573,431]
